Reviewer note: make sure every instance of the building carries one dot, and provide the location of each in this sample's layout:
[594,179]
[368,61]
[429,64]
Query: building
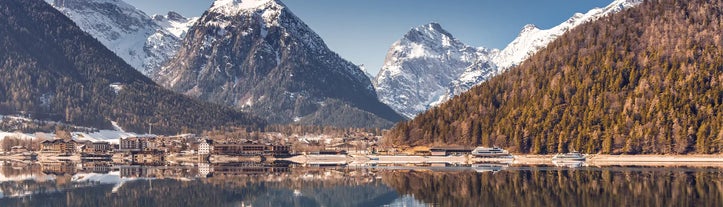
[239,149]
[101,147]
[278,150]
[58,146]
[205,147]
[249,149]
[83,146]
[136,144]
[447,151]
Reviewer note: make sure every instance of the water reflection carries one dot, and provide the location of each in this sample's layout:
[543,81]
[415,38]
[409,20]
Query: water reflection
[288,184]
[568,163]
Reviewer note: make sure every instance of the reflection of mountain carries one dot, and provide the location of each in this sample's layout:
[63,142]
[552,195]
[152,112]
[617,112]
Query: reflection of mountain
[525,186]
[172,186]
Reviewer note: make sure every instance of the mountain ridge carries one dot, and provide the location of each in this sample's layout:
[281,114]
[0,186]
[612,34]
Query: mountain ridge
[645,80]
[530,40]
[420,65]
[260,57]
[127,31]
[53,70]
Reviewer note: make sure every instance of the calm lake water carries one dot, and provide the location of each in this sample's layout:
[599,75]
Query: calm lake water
[253,184]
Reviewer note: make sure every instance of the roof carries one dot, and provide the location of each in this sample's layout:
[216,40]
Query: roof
[450,149]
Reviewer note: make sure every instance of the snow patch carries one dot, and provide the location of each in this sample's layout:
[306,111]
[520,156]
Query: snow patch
[117,87]
[233,7]
[532,39]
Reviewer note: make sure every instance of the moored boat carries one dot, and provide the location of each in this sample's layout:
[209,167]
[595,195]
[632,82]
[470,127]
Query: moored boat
[494,152]
[571,156]
[489,167]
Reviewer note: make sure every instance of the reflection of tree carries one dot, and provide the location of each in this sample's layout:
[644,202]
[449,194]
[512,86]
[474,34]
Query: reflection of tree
[646,187]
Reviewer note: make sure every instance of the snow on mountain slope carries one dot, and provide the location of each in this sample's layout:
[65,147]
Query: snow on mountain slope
[421,65]
[111,136]
[530,40]
[127,31]
[476,73]
[175,23]
[257,56]
[84,133]
[428,67]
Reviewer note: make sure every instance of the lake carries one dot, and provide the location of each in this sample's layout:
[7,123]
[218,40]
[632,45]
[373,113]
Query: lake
[287,184]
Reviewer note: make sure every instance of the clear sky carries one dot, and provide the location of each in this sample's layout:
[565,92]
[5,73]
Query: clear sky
[362,30]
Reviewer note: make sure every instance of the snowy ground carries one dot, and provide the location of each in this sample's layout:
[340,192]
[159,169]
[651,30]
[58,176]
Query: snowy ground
[112,136]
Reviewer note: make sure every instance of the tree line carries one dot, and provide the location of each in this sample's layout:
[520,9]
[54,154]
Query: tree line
[645,80]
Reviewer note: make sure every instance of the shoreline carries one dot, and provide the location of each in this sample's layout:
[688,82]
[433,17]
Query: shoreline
[592,159]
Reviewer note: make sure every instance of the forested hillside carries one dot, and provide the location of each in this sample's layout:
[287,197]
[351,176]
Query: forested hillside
[646,80]
[52,70]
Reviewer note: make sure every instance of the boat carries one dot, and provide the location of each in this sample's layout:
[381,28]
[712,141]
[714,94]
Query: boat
[568,163]
[489,167]
[571,156]
[494,152]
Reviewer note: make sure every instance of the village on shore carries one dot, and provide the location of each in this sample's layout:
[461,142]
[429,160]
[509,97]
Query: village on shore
[360,150]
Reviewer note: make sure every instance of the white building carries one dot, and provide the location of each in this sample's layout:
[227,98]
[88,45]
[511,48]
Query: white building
[205,147]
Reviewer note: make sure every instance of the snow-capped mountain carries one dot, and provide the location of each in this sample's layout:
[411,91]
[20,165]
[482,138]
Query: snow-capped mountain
[55,71]
[420,66]
[476,73]
[258,56]
[175,23]
[142,42]
[428,67]
[532,39]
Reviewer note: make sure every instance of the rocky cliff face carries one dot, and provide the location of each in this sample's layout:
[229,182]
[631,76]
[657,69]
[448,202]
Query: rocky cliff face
[256,55]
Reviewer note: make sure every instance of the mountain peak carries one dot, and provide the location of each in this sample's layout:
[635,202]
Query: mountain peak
[175,16]
[528,28]
[233,7]
[429,32]
[258,56]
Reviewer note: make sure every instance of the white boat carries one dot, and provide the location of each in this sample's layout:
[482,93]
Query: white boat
[568,163]
[489,167]
[571,156]
[494,152]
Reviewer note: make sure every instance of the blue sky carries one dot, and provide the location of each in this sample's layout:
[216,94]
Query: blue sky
[362,30]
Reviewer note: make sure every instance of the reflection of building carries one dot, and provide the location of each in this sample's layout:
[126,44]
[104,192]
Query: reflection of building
[134,171]
[58,168]
[148,157]
[18,149]
[58,146]
[97,167]
[237,169]
[204,170]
